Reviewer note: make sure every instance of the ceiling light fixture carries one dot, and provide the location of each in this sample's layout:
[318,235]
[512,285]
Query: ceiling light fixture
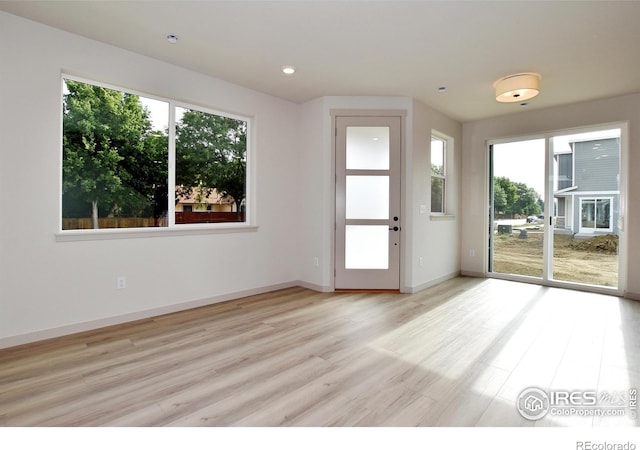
[518,87]
[172,39]
[288,70]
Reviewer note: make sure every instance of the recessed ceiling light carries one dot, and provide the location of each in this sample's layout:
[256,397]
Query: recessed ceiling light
[442,89]
[288,70]
[172,39]
[524,104]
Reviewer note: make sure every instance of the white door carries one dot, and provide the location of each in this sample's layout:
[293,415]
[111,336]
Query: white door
[368,203]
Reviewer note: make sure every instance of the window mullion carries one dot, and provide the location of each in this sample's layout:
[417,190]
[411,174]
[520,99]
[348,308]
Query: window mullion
[172,166]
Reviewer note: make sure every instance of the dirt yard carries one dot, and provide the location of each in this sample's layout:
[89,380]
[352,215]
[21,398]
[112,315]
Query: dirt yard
[591,261]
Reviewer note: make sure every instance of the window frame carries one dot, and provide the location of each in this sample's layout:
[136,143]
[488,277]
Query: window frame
[444,177]
[595,200]
[172,228]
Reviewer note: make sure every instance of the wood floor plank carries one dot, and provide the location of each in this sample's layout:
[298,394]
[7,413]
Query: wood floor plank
[456,354]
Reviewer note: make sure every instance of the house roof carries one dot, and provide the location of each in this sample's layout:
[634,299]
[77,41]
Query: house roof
[565,192]
[214,198]
[594,139]
[584,49]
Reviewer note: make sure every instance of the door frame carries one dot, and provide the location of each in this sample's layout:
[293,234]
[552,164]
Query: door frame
[404,219]
[548,209]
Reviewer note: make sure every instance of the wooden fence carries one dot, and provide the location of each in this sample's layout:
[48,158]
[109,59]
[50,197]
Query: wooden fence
[86,223]
[208,217]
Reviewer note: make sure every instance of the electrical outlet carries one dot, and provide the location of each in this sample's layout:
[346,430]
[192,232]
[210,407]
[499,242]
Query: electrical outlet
[121,282]
[472,253]
[421,261]
[316,261]
[423,209]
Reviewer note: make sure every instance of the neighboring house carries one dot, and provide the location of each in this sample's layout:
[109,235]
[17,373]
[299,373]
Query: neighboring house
[587,194]
[197,202]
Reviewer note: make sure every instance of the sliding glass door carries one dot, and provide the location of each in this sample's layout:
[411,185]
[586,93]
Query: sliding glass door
[586,196]
[556,209]
[517,208]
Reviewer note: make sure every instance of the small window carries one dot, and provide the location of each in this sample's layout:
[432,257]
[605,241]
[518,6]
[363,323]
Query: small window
[595,214]
[438,174]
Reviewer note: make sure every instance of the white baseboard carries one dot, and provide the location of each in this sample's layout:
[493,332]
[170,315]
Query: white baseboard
[65,330]
[428,284]
[632,295]
[468,273]
[315,287]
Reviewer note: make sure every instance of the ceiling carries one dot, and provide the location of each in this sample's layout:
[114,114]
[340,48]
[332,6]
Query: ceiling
[583,49]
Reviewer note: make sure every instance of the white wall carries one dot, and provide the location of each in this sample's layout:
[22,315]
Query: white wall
[49,287]
[315,209]
[435,239]
[474,172]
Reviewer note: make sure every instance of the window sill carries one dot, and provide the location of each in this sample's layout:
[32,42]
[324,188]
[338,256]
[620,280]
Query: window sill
[441,217]
[138,233]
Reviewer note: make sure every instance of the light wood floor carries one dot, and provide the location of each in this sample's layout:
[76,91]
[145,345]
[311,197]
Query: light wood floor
[456,354]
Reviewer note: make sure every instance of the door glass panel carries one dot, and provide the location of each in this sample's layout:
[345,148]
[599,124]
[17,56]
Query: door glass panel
[518,221]
[368,148]
[367,247]
[587,194]
[367,197]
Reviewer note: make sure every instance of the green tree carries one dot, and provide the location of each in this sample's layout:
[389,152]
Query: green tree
[514,198]
[211,153]
[527,201]
[112,161]
[510,192]
[499,199]
[437,186]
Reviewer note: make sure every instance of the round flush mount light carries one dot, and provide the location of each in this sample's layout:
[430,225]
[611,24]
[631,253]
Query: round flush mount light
[172,39]
[288,70]
[517,88]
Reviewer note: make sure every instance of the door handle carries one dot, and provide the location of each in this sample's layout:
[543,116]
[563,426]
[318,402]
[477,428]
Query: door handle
[394,229]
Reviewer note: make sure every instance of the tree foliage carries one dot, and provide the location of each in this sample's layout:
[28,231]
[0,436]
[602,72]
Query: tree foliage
[437,188]
[514,198]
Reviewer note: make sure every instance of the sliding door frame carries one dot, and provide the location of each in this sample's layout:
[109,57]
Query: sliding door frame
[546,279]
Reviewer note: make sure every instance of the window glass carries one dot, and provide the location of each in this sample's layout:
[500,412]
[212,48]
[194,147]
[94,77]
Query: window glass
[211,162]
[437,156]
[437,194]
[114,164]
[438,175]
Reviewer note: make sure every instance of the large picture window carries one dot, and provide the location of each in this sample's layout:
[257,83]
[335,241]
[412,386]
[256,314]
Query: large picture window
[123,153]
